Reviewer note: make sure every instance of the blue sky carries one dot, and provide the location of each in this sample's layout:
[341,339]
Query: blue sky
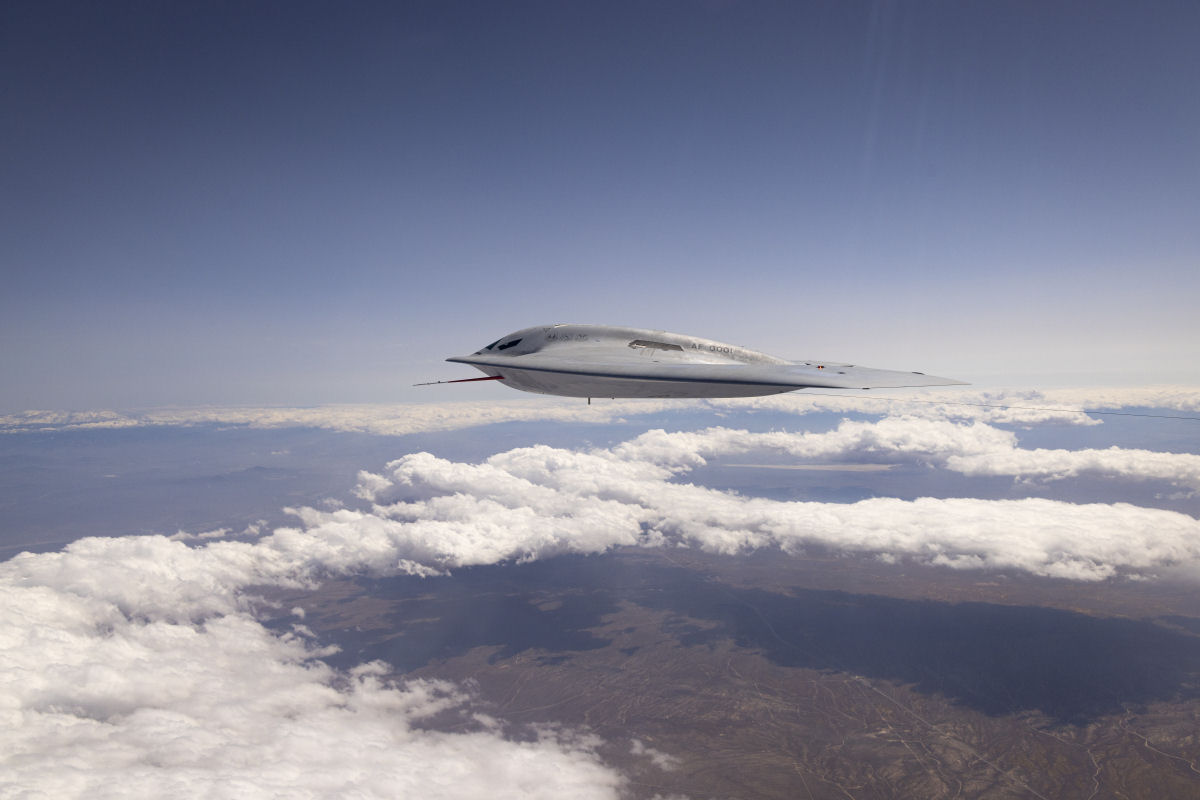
[314,202]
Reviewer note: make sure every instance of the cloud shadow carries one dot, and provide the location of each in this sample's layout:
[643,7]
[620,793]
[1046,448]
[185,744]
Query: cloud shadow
[513,608]
[997,659]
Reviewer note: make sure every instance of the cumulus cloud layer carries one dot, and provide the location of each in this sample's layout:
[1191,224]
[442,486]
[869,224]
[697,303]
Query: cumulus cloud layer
[974,449]
[537,501]
[132,667]
[136,666]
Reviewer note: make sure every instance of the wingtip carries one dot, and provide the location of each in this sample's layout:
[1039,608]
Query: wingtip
[938,380]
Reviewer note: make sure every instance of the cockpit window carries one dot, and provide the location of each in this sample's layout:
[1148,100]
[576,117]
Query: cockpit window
[649,345]
[490,346]
[507,345]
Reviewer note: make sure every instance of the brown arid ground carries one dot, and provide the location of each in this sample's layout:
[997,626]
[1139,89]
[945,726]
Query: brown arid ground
[765,675]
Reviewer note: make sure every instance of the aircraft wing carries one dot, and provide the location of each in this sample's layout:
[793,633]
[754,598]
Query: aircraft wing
[784,376]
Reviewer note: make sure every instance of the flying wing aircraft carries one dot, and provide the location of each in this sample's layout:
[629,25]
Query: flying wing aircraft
[605,361]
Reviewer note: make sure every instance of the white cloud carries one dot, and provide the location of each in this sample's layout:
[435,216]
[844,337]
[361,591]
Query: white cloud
[1179,468]
[55,420]
[1000,406]
[380,419]
[1179,398]
[658,758]
[974,449]
[539,501]
[132,667]
[135,666]
[187,536]
[369,485]
[1023,406]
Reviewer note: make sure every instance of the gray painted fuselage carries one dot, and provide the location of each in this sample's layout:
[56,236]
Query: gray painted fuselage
[607,361]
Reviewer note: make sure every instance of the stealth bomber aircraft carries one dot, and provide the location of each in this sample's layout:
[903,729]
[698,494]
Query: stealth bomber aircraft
[605,361]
